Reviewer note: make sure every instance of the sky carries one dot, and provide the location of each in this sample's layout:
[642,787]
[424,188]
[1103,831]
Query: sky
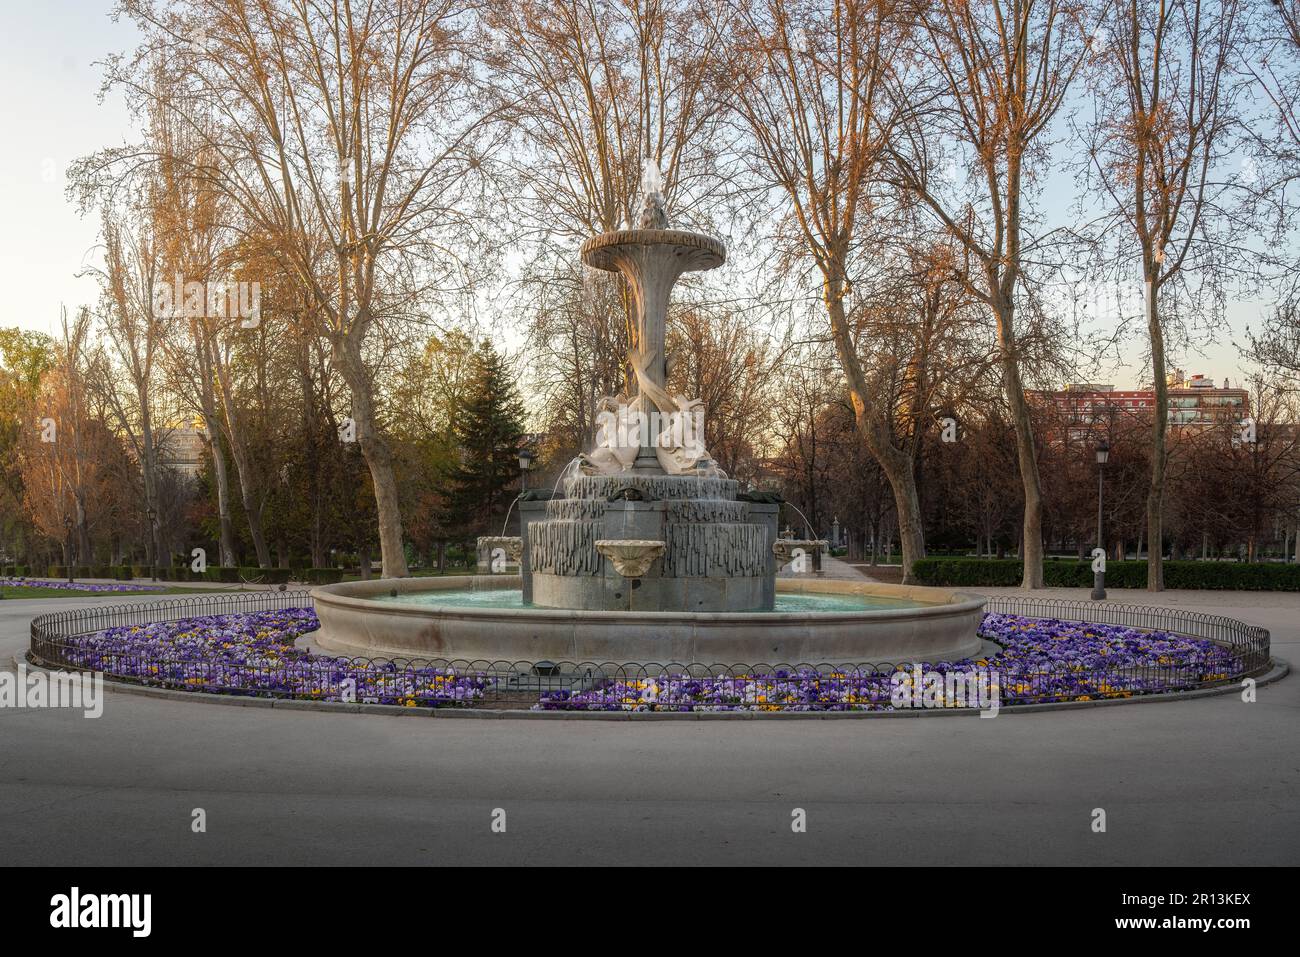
[52,115]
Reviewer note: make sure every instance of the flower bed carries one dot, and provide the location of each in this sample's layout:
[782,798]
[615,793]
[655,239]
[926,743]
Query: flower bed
[1040,660]
[254,654]
[74,586]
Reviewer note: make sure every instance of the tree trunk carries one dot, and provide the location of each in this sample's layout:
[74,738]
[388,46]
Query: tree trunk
[1159,451]
[1032,529]
[907,504]
[203,349]
[378,456]
[249,494]
[83,534]
[221,474]
[897,465]
[252,506]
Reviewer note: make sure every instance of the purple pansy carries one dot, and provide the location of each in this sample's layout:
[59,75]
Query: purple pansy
[74,586]
[253,653]
[1039,660]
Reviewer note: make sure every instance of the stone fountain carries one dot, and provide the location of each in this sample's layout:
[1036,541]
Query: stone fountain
[652,553]
[649,486]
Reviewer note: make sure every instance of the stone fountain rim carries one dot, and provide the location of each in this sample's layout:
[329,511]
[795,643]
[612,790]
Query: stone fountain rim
[952,603]
[651,237]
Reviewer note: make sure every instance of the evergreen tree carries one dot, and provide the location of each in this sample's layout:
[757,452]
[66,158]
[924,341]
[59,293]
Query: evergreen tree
[488,433]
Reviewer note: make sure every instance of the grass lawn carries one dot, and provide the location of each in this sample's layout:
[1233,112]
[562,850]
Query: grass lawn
[23,591]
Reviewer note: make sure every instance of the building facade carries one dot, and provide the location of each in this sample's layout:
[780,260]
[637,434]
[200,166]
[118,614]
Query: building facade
[1194,403]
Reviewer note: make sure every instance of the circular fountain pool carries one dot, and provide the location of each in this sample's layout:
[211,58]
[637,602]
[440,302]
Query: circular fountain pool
[513,598]
[652,554]
[484,618]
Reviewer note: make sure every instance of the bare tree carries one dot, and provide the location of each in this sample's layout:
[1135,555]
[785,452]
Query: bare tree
[718,357]
[590,90]
[128,280]
[347,135]
[997,74]
[1165,96]
[191,223]
[62,469]
[1272,60]
[812,90]
[578,344]
[806,422]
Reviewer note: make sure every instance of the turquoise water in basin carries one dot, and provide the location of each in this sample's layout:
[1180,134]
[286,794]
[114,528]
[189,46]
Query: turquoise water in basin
[510,598]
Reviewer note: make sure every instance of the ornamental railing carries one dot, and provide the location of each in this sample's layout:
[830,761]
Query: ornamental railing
[77,622]
[59,640]
[1249,643]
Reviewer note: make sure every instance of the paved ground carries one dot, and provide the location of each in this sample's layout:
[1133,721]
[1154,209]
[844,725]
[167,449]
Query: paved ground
[889,574]
[831,568]
[1195,782]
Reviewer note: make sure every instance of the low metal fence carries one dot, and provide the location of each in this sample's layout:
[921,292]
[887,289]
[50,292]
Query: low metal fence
[1248,643]
[66,640]
[78,622]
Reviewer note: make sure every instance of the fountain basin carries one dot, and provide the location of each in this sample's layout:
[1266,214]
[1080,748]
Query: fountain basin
[685,251]
[914,624]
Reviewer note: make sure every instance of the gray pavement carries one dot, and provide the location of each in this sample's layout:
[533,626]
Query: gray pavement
[831,568]
[1212,781]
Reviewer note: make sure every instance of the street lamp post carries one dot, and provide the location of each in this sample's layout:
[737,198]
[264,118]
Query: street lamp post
[525,463]
[67,531]
[1099,577]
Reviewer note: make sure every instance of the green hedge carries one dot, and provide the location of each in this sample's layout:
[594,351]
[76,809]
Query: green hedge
[221,573]
[993,572]
[267,576]
[324,576]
